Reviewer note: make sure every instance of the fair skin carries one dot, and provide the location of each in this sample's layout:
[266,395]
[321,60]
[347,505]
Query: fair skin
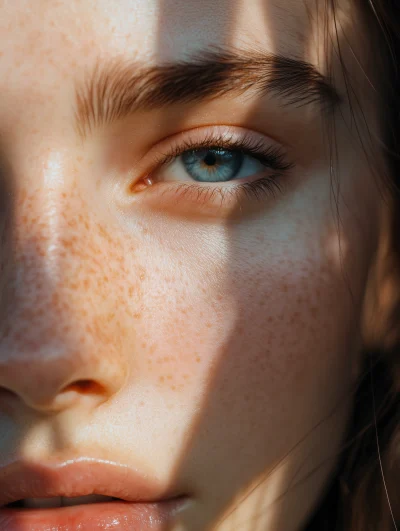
[215,337]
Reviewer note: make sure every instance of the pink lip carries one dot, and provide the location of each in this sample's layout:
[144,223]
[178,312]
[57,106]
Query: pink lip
[146,505]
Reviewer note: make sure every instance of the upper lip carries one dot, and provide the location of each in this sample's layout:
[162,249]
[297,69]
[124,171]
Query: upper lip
[78,477]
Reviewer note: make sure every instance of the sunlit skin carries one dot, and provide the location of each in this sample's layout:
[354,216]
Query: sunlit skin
[212,339]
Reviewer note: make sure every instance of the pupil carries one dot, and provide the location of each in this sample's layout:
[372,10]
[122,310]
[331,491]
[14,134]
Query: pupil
[210,159]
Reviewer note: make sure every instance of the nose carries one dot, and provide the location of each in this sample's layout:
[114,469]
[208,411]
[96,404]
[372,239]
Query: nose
[61,328]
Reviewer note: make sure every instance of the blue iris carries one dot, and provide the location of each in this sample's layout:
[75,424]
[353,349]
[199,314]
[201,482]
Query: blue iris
[212,164]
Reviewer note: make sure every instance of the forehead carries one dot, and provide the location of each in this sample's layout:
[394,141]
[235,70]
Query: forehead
[47,46]
[75,31]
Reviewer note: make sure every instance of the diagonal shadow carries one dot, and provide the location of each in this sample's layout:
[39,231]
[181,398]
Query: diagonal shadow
[264,283]
[266,291]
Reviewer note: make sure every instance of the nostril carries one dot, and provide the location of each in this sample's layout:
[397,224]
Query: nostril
[85,387]
[8,397]
[6,393]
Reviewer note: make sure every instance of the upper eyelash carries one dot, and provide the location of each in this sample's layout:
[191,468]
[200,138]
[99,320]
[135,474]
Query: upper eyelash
[271,156]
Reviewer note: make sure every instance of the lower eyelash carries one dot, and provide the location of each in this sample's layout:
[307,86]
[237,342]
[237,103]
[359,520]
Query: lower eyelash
[270,185]
[258,190]
[271,157]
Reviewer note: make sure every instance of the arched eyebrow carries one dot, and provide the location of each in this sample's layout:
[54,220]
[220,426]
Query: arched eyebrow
[119,87]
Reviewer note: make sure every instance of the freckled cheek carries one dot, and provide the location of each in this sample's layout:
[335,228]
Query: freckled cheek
[280,324]
[291,340]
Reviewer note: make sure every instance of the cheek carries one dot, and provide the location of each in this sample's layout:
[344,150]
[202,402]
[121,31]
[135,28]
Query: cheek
[261,317]
[259,333]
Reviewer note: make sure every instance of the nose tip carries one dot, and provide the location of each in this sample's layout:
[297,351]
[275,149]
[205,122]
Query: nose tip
[43,400]
[54,376]
[75,392]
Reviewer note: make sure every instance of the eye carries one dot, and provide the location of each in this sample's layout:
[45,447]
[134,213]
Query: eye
[214,164]
[220,165]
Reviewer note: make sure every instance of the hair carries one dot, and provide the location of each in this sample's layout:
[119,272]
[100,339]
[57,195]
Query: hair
[364,494]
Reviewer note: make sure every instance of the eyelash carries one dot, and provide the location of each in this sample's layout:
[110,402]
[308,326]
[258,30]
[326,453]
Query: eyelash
[271,157]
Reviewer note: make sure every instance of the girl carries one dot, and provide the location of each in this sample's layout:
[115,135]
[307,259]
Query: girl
[199,249]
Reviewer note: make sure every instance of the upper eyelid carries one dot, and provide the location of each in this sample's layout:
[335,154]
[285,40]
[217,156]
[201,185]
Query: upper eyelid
[174,139]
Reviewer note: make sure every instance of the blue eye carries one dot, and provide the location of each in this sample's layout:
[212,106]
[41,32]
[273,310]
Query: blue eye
[215,164]
[219,166]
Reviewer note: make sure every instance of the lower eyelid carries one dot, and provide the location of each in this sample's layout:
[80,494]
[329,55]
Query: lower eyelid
[214,201]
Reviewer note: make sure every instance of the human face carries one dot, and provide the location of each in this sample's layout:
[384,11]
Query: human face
[209,345]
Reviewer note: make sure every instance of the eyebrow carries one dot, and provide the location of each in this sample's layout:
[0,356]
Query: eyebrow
[116,88]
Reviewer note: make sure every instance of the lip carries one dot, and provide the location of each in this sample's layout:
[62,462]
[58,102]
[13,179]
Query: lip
[146,505]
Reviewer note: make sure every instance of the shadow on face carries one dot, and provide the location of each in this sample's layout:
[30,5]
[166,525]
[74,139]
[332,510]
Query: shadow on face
[207,339]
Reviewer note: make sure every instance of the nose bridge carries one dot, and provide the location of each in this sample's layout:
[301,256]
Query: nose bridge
[40,253]
[55,331]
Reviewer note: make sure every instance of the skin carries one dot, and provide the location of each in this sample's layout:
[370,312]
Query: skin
[214,341]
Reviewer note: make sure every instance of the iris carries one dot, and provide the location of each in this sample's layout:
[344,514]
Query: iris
[212,165]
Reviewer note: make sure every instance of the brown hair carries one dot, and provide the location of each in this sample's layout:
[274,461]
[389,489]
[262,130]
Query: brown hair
[364,494]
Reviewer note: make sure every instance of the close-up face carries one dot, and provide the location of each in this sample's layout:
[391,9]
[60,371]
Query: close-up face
[184,249]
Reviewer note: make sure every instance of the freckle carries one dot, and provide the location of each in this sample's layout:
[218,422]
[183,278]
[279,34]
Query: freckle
[173,387]
[144,344]
[130,292]
[161,378]
[86,283]
[198,360]
[169,377]
[141,403]
[137,315]
[66,243]
[186,376]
